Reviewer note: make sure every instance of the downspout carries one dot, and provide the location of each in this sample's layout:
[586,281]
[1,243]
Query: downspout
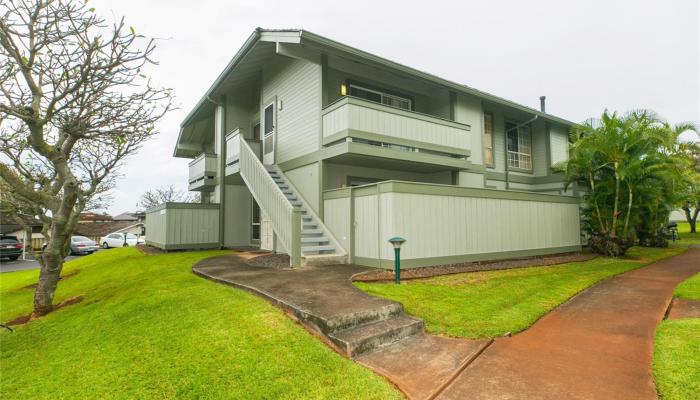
[505,146]
[221,176]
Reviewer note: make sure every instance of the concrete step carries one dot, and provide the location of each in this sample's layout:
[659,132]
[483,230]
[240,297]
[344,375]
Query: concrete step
[367,337]
[316,249]
[343,322]
[318,239]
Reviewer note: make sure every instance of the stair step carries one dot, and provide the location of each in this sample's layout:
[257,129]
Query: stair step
[311,231]
[316,249]
[309,225]
[367,337]
[306,218]
[320,239]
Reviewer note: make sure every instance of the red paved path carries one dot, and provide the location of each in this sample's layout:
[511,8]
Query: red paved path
[596,346]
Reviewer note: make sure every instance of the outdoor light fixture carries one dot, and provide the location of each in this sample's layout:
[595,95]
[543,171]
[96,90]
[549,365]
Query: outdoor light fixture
[343,89]
[397,241]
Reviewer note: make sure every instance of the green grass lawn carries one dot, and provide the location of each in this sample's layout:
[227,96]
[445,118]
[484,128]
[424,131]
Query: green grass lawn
[492,303]
[677,345]
[149,328]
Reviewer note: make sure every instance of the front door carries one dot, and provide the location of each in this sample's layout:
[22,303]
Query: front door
[268,134]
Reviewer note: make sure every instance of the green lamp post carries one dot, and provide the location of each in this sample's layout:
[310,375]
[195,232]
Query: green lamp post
[397,241]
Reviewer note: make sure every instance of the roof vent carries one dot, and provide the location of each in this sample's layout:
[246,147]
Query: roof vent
[542,103]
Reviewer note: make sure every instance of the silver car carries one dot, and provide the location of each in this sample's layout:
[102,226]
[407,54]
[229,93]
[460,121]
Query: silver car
[82,245]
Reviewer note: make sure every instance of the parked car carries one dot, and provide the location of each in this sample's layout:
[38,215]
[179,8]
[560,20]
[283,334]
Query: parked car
[10,247]
[117,240]
[82,245]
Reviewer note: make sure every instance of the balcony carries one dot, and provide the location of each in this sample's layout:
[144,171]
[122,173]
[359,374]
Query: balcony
[352,125]
[202,175]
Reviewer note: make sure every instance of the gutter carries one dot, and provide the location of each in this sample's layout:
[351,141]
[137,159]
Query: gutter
[505,145]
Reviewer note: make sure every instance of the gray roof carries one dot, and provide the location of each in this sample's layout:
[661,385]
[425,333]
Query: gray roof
[125,216]
[306,37]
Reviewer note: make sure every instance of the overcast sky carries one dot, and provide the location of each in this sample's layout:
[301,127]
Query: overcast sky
[584,56]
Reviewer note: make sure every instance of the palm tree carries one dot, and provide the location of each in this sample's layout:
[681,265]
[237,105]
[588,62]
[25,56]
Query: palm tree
[628,163]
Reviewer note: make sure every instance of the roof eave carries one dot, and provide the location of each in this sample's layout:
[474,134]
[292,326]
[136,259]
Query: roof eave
[249,43]
[424,75]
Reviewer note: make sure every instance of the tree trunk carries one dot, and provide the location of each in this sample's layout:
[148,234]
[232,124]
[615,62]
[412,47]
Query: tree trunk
[62,225]
[692,219]
[48,280]
[613,230]
[629,212]
[595,204]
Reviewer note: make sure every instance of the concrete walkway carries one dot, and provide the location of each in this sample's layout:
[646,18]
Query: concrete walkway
[325,300]
[598,345]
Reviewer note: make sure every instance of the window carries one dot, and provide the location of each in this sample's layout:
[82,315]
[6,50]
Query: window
[519,146]
[255,221]
[488,139]
[379,96]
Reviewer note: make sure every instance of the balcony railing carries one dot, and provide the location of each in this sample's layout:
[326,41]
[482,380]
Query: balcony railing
[373,123]
[202,175]
[233,151]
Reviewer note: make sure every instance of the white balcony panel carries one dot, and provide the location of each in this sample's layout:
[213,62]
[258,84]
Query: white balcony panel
[360,118]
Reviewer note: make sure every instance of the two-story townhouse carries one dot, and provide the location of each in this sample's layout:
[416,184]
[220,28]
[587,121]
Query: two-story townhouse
[313,148]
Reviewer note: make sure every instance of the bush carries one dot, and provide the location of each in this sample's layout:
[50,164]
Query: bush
[608,245]
[657,239]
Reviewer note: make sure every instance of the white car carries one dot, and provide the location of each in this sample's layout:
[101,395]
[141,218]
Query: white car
[118,240]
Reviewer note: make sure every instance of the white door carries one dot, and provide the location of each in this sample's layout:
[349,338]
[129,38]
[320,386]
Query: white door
[268,133]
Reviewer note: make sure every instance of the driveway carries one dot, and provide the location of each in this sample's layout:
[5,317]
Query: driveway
[20,265]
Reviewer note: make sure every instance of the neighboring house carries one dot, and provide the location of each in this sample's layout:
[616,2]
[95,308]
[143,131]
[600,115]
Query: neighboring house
[125,216]
[313,148]
[90,217]
[9,226]
[139,216]
[96,231]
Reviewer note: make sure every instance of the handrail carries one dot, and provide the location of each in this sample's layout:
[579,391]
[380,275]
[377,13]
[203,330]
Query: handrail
[286,219]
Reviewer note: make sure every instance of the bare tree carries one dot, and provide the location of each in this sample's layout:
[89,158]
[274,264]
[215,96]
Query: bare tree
[166,194]
[74,103]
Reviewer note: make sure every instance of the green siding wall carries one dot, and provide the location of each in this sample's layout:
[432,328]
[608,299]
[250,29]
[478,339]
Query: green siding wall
[297,85]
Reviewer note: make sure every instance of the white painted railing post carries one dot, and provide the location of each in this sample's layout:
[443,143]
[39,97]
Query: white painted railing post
[295,253]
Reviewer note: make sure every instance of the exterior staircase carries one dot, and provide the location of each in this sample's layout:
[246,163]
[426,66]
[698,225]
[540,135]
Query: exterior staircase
[299,230]
[317,248]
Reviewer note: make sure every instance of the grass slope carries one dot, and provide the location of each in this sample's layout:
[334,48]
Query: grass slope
[677,345]
[149,328]
[492,303]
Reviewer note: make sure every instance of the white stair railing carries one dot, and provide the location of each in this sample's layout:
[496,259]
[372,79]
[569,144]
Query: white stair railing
[286,219]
